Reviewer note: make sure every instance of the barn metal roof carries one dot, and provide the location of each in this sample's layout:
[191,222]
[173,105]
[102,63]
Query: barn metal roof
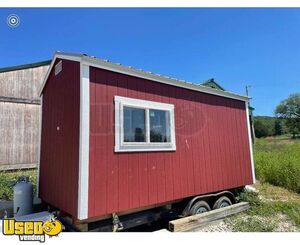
[129,70]
[26,66]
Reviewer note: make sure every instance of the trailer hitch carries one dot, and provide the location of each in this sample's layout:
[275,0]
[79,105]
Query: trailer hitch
[117,224]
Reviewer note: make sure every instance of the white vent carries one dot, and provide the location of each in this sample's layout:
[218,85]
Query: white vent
[58,68]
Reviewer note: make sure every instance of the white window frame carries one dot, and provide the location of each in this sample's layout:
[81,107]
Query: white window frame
[121,146]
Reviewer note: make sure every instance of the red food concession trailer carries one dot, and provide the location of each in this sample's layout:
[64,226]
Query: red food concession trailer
[118,141]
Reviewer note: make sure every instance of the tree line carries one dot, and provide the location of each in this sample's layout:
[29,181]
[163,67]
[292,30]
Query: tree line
[286,119]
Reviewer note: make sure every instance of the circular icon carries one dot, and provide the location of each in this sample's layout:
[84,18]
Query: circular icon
[52,228]
[13,20]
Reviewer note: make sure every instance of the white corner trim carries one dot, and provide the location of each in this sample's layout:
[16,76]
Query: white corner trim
[40,148]
[83,177]
[121,146]
[250,141]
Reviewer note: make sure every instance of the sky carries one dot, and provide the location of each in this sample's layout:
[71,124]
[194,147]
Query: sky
[235,46]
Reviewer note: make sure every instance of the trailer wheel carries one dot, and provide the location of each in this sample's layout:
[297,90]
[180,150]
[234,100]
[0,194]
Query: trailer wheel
[222,202]
[199,208]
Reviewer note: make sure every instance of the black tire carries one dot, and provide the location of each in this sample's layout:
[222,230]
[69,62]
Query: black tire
[222,202]
[199,207]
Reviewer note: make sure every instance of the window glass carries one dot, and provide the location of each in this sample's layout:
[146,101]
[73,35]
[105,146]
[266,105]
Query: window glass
[142,125]
[159,126]
[134,124]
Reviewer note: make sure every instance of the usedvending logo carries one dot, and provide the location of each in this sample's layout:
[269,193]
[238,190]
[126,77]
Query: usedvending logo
[31,230]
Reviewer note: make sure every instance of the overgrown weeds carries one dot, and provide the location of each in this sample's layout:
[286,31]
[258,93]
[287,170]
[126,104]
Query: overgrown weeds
[278,162]
[8,177]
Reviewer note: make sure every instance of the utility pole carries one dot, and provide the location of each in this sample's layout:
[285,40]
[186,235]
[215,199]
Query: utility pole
[247,90]
[251,119]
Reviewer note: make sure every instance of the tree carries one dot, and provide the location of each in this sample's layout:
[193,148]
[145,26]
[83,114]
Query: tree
[290,110]
[261,129]
[278,129]
[264,126]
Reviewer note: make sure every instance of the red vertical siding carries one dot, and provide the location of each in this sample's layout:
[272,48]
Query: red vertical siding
[211,137]
[59,148]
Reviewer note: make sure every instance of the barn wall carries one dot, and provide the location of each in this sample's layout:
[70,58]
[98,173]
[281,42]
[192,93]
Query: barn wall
[211,137]
[24,83]
[58,182]
[19,117]
[19,126]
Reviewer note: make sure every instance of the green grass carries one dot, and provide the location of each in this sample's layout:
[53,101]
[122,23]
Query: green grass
[263,214]
[268,209]
[7,177]
[277,161]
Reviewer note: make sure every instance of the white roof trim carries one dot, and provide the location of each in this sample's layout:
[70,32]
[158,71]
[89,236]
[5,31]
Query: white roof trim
[141,74]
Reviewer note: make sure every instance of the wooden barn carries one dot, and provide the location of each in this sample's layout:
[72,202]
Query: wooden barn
[115,138]
[20,114]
